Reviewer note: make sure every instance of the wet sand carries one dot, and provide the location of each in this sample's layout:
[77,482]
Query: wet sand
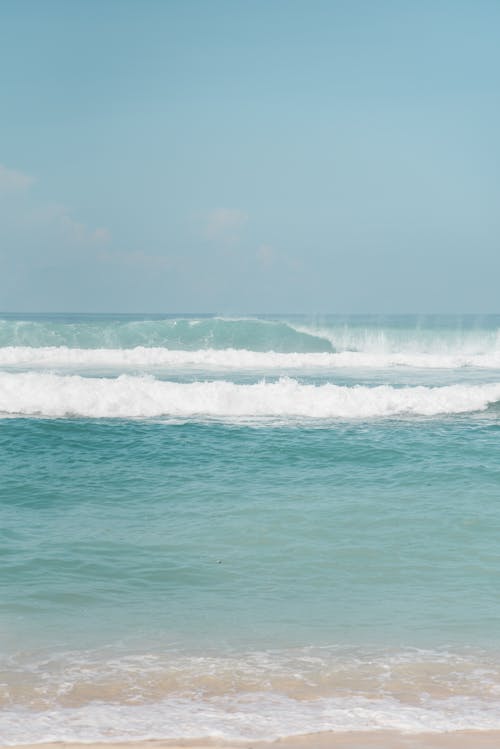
[329,740]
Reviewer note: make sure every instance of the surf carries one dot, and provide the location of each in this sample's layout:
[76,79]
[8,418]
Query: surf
[126,396]
[142,357]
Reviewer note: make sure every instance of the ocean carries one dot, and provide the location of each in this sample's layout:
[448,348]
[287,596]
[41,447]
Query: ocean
[248,528]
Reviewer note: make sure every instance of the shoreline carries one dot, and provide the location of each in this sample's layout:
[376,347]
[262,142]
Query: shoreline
[326,740]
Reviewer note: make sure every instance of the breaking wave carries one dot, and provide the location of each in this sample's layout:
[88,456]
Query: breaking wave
[51,395]
[142,357]
[172,333]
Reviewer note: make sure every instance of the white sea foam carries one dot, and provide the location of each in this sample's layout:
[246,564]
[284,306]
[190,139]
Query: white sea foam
[46,394]
[90,696]
[429,339]
[244,717]
[141,357]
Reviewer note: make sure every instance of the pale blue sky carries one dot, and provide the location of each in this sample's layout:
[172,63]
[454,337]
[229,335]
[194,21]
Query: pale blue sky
[246,156]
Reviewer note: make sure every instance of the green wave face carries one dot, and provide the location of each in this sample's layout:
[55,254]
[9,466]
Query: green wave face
[178,333]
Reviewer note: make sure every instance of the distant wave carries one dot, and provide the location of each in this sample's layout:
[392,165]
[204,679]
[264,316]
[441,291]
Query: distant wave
[179,333]
[370,335]
[52,395]
[142,357]
[377,339]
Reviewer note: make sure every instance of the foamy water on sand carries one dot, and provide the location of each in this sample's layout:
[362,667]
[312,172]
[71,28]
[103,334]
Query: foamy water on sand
[249,528]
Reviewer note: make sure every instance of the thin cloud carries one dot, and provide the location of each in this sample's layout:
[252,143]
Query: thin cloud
[59,218]
[137,259]
[269,258]
[53,216]
[224,224]
[101,234]
[266,255]
[13,181]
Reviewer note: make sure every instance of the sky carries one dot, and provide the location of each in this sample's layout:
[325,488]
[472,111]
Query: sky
[232,156]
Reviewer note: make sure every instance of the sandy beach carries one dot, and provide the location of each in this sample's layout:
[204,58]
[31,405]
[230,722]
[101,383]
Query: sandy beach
[352,740]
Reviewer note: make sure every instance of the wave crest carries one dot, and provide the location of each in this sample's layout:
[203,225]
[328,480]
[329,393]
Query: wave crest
[142,357]
[180,333]
[126,396]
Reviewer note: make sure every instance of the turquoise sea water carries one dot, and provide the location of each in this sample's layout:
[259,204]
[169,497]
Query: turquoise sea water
[248,528]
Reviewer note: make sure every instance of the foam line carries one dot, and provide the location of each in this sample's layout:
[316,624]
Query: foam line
[245,717]
[142,357]
[52,395]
